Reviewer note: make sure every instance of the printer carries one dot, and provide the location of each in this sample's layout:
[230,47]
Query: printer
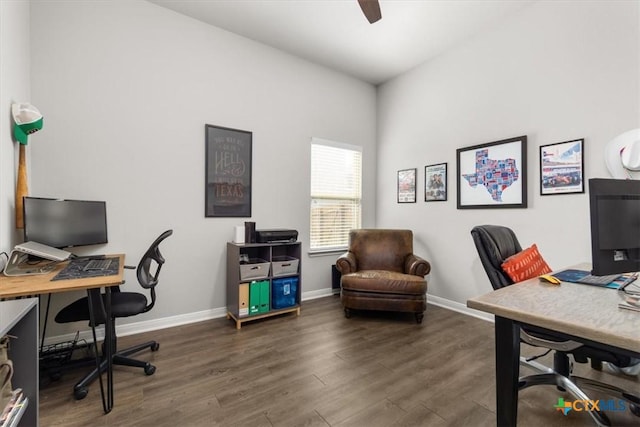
[276,235]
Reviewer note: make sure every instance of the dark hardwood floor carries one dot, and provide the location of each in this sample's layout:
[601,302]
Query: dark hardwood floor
[318,369]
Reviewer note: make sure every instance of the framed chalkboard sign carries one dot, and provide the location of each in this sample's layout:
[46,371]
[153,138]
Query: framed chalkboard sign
[228,172]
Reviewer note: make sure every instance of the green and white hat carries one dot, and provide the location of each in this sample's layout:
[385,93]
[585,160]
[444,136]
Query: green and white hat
[27,120]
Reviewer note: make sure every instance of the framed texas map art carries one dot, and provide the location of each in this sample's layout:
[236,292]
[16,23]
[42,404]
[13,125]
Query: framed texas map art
[493,175]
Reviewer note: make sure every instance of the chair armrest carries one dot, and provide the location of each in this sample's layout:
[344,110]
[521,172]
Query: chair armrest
[346,263]
[130,267]
[417,266]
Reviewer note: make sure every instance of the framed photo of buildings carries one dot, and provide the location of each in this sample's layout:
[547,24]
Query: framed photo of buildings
[493,175]
[562,168]
[435,183]
[227,172]
[407,185]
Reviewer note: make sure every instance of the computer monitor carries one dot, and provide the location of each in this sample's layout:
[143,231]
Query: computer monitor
[65,223]
[615,225]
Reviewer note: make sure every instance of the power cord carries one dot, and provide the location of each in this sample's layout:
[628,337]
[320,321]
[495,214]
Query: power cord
[538,356]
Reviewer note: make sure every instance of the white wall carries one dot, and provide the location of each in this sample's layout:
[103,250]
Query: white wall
[556,71]
[126,89]
[14,87]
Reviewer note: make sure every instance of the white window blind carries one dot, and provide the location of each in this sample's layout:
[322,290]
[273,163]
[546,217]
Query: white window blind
[336,192]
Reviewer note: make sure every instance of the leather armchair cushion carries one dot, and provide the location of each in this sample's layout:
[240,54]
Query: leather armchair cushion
[384,282]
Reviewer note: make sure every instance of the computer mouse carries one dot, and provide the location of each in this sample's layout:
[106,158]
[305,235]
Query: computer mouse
[549,279]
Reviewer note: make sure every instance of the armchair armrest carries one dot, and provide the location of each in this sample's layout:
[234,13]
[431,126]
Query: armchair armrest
[417,266]
[346,263]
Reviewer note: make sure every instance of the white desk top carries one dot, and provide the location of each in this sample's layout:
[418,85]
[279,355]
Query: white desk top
[585,311]
[12,311]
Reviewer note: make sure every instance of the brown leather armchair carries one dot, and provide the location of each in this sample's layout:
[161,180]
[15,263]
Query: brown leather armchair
[381,272]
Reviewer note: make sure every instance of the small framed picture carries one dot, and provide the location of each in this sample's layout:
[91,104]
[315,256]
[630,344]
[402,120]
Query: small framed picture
[562,168]
[493,175]
[407,185]
[435,183]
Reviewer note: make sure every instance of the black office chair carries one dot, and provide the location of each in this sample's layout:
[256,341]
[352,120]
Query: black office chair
[497,243]
[123,304]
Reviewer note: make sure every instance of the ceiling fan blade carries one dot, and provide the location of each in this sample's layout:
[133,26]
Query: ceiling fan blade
[371,9]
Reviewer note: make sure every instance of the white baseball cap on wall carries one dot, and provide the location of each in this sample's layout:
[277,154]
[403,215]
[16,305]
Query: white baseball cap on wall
[622,155]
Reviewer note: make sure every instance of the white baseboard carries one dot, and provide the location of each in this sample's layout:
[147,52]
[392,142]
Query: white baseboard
[460,308]
[316,294]
[215,313]
[144,326]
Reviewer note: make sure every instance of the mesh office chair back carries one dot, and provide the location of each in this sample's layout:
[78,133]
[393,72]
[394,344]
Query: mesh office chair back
[147,277]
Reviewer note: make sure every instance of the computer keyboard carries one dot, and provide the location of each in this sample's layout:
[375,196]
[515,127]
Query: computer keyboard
[97,264]
[598,280]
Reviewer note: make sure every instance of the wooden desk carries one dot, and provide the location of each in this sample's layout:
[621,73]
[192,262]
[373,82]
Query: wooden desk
[18,286]
[589,314]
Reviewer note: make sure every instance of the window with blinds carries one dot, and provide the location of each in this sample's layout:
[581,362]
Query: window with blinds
[336,192]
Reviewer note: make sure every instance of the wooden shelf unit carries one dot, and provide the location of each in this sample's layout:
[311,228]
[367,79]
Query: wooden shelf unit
[267,252]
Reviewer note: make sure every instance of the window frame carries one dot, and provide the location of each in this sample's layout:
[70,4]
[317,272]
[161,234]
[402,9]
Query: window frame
[356,196]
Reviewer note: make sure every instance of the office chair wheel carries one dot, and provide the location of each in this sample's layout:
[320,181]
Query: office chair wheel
[347,313]
[155,347]
[149,369]
[635,410]
[80,393]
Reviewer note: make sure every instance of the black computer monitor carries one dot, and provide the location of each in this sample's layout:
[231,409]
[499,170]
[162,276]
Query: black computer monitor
[615,225]
[65,223]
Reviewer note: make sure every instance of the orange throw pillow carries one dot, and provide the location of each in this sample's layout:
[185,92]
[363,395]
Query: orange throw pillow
[525,265]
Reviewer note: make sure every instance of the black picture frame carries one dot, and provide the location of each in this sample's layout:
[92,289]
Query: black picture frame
[407,185]
[227,172]
[435,183]
[492,175]
[562,168]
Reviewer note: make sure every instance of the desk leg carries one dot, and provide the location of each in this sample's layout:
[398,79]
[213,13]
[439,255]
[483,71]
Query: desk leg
[96,303]
[109,332]
[507,336]
[93,298]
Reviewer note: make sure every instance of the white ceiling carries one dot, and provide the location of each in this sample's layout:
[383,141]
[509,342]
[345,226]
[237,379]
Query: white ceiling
[336,34]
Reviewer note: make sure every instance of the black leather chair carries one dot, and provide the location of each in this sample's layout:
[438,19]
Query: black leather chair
[497,243]
[123,304]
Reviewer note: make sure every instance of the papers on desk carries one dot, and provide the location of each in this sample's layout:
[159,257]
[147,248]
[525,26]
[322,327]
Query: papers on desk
[630,302]
[613,281]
